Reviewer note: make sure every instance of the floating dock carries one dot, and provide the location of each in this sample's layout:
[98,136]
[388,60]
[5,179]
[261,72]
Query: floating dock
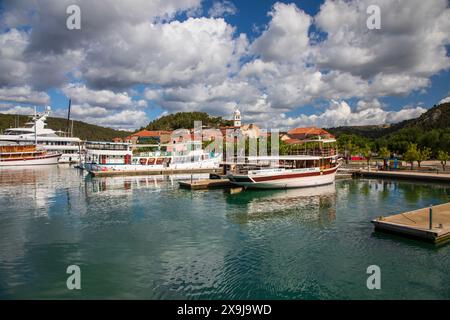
[206,184]
[343,176]
[112,173]
[416,223]
[422,176]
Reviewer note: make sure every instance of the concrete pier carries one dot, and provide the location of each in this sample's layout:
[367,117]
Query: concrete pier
[417,223]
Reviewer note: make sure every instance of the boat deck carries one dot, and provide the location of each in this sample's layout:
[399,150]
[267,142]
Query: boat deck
[417,223]
[111,173]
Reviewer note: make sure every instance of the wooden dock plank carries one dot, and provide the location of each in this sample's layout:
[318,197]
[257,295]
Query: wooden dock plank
[416,223]
[205,184]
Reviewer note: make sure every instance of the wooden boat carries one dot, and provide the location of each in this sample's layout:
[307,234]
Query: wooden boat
[315,167]
[36,132]
[25,155]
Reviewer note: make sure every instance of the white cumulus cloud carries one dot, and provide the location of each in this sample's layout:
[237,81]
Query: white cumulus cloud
[222,8]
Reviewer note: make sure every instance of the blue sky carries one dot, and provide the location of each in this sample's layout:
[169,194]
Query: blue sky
[283,63]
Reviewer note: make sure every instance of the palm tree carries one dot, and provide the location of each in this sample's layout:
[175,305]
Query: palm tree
[367,153]
[385,154]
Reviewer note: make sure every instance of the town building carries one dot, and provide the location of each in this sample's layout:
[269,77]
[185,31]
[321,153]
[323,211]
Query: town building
[237,118]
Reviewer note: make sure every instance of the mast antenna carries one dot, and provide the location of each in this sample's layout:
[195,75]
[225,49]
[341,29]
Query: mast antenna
[68,116]
[35,127]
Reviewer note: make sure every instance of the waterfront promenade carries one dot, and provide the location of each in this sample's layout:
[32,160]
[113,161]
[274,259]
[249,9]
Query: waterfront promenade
[421,176]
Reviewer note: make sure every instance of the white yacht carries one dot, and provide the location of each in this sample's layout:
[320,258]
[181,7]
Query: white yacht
[109,156]
[35,131]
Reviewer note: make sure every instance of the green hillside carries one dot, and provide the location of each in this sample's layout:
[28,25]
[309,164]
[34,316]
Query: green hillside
[83,130]
[430,130]
[186,120]
[370,131]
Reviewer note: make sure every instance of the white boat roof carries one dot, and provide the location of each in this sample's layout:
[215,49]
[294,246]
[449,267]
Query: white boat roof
[274,158]
[109,143]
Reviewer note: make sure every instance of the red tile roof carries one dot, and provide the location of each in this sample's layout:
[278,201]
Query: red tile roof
[293,141]
[147,133]
[309,131]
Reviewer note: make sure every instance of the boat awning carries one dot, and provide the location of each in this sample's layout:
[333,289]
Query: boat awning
[277,158]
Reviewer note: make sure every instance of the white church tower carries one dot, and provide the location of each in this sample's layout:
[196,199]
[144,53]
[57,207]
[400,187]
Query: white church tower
[237,117]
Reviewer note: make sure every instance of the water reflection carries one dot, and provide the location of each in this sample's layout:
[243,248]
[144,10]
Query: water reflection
[315,204]
[413,192]
[143,237]
[38,187]
[120,184]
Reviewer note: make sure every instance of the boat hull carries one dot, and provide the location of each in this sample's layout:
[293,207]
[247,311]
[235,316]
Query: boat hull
[44,160]
[206,164]
[69,158]
[285,180]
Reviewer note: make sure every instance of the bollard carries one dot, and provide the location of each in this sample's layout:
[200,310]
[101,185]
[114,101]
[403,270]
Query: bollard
[431,217]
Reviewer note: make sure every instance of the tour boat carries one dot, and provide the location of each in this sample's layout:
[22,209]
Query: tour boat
[110,156]
[25,155]
[35,131]
[311,166]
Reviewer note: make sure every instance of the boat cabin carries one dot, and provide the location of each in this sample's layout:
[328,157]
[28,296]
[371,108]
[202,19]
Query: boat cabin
[99,152]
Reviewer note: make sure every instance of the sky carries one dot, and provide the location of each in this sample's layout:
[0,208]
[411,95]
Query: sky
[284,64]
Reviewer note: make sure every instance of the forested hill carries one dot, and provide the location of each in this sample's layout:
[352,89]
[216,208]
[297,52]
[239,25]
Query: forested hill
[186,120]
[83,130]
[430,130]
[436,118]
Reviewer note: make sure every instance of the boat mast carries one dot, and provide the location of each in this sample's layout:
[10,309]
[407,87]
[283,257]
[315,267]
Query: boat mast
[68,116]
[35,127]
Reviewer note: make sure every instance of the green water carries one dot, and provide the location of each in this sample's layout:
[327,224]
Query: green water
[141,237]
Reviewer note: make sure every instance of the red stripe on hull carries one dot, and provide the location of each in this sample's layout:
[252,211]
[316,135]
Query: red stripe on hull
[293,175]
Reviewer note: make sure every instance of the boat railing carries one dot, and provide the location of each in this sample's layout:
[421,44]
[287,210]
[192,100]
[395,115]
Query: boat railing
[258,169]
[154,154]
[314,152]
[110,147]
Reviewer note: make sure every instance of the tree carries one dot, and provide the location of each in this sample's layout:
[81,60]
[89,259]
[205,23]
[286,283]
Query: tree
[367,153]
[443,158]
[424,154]
[185,120]
[348,152]
[385,154]
[412,154]
[352,150]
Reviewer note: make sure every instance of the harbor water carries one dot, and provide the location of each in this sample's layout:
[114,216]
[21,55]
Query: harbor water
[145,238]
